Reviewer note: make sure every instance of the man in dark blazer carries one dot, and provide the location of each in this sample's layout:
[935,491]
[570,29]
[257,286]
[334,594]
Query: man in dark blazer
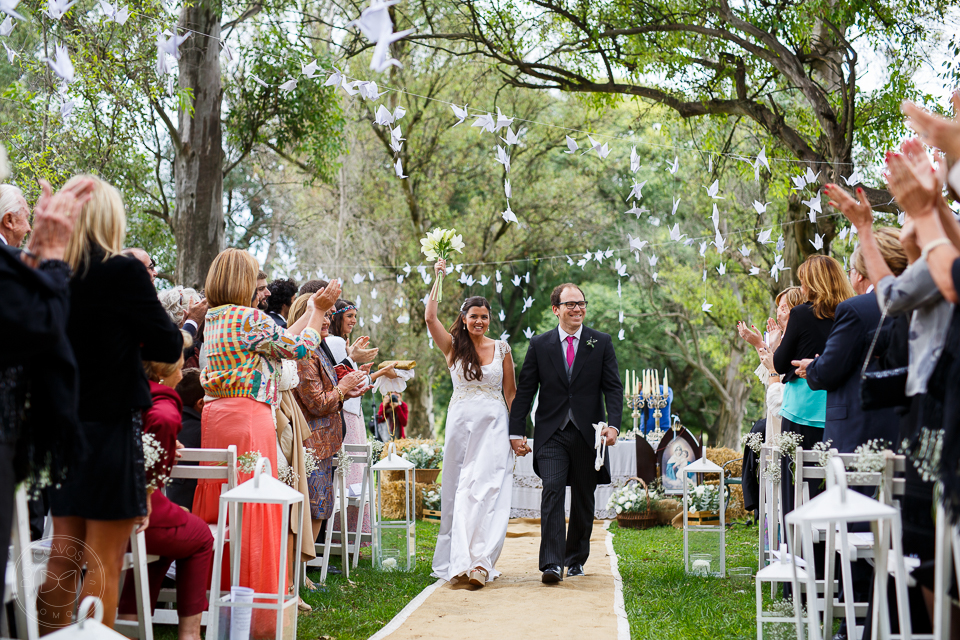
[575,370]
[837,369]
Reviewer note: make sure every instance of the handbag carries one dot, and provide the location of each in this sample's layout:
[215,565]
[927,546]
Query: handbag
[884,388]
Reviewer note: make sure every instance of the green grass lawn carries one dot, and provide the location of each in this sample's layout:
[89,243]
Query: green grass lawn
[664,604]
[358,608]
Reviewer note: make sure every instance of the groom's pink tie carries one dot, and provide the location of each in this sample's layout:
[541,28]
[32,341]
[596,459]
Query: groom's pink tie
[570,353]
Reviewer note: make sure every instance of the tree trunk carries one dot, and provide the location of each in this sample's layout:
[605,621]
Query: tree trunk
[732,413]
[419,399]
[198,222]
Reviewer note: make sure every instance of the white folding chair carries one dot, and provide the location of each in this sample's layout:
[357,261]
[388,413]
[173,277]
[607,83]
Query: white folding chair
[137,559]
[19,580]
[325,549]
[360,454]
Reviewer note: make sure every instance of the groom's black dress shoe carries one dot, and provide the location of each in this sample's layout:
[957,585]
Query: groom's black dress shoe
[552,574]
[574,570]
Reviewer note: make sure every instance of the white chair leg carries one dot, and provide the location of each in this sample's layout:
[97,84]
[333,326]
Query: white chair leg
[141,581]
[941,577]
[344,531]
[26,609]
[360,511]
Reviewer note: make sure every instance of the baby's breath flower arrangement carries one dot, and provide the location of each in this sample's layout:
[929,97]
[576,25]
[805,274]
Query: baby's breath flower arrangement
[439,244]
[870,459]
[247,463]
[153,454]
[753,441]
[824,452]
[427,455]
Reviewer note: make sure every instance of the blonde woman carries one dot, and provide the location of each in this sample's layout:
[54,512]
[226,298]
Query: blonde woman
[104,494]
[245,348]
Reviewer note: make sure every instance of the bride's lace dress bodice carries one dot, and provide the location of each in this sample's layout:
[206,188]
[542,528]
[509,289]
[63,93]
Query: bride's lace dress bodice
[490,387]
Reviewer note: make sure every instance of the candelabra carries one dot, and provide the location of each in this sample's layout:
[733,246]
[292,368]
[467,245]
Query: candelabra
[657,400]
[635,401]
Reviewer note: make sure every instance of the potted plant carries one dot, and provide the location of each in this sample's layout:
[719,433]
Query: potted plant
[635,504]
[705,504]
[427,456]
[431,504]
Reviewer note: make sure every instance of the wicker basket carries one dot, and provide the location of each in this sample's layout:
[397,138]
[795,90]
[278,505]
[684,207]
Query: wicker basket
[638,520]
[427,476]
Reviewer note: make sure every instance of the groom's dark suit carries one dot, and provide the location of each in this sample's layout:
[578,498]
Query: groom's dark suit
[563,451]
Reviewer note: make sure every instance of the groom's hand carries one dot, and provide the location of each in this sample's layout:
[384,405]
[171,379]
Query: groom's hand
[520,447]
[611,435]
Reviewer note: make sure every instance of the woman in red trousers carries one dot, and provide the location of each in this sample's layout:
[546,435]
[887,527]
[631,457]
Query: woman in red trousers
[173,533]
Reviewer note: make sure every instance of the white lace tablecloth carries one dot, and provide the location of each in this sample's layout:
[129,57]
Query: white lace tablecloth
[527,486]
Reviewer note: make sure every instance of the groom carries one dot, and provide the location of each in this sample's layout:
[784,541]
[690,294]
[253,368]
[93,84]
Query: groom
[575,370]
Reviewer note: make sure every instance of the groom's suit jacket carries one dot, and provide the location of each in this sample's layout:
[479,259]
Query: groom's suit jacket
[594,381]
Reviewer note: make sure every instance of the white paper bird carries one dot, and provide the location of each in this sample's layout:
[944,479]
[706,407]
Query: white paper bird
[310,70]
[6,27]
[516,281]
[11,54]
[376,319]
[810,177]
[620,335]
[636,191]
[502,315]
[396,145]
[744,251]
[528,333]
[634,160]
[762,159]
[817,242]
[715,217]
[652,260]
[498,276]
[61,65]
[764,237]
[398,167]
[259,81]
[352,88]
[761,207]
[383,117]
[168,45]
[676,203]
[335,78]
[288,86]
[854,179]
[654,276]
[688,242]
[719,243]
[780,244]
[400,278]
[706,306]
[620,317]
[56,8]
[602,150]
[358,278]
[403,319]
[373,293]
[704,275]
[622,270]
[675,166]
[376,25]
[598,256]
[509,216]
[527,303]
[675,234]
[843,233]
[572,145]
[654,221]
[8,7]
[722,269]
[799,182]
[636,244]
[485,122]
[395,134]
[484,280]
[637,211]
[66,107]
[703,248]
[901,217]
[754,271]
[814,203]
[502,121]
[370,91]
[499,287]
[503,158]
[713,190]
[460,112]
[506,188]
[512,138]
[114,12]
[504,336]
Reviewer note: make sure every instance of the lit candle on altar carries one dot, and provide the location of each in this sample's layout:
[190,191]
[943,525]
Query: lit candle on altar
[666,386]
[626,383]
[656,381]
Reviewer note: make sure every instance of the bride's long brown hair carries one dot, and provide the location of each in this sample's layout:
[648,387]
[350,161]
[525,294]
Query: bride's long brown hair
[463,348]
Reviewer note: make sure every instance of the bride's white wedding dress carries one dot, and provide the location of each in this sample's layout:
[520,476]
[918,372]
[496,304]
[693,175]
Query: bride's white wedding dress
[477,474]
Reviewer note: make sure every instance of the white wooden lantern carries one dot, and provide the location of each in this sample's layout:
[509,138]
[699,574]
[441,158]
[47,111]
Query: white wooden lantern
[710,538]
[836,508]
[88,627]
[776,573]
[395,540]
[261,489]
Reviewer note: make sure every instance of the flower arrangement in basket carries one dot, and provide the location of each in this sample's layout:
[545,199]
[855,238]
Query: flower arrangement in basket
[705,503]
[427,457]
[635,504]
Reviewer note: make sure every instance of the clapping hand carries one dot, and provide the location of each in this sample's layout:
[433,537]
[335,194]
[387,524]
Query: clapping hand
[753,336]
[359,353]
[936,131]
[326,298]
[913,180]
[860,214]
[54,217]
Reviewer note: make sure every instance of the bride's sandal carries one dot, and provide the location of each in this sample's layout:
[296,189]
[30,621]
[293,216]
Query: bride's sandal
[478,577]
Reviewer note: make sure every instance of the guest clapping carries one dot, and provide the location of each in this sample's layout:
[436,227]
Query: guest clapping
[105,491]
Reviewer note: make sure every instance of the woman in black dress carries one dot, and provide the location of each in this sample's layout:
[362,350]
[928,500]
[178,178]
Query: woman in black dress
[115,322]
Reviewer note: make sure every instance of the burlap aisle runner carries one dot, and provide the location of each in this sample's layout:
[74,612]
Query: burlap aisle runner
[517,604]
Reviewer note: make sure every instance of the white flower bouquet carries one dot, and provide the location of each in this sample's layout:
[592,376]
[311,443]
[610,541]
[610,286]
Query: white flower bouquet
[153,454]
[427,455]
[633,498]
[439,244]
[431,499]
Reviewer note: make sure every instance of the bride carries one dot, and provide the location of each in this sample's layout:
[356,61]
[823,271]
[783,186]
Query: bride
[477,460]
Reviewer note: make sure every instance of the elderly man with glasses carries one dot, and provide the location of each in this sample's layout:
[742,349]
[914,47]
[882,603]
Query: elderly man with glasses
[144,257]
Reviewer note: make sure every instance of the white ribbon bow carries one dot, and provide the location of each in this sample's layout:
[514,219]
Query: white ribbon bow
[599,443]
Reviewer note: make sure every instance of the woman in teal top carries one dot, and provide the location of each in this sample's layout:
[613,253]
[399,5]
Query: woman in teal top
[825,285]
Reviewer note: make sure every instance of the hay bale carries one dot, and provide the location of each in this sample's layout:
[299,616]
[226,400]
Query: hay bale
[394,502]
[667,509]
[720,457]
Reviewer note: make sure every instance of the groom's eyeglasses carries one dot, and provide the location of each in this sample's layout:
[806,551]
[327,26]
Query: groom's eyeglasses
[581,304]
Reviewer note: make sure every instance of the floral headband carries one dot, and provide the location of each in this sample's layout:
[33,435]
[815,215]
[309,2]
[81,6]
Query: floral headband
[345,309]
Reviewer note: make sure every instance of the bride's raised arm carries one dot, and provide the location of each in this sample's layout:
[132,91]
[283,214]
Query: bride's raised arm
[436,329]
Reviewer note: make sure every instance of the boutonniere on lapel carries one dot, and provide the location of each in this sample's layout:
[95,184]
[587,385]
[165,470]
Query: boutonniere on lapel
[591,342]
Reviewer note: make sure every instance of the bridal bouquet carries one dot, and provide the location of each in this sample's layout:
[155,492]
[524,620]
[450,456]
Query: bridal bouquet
[439,244]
